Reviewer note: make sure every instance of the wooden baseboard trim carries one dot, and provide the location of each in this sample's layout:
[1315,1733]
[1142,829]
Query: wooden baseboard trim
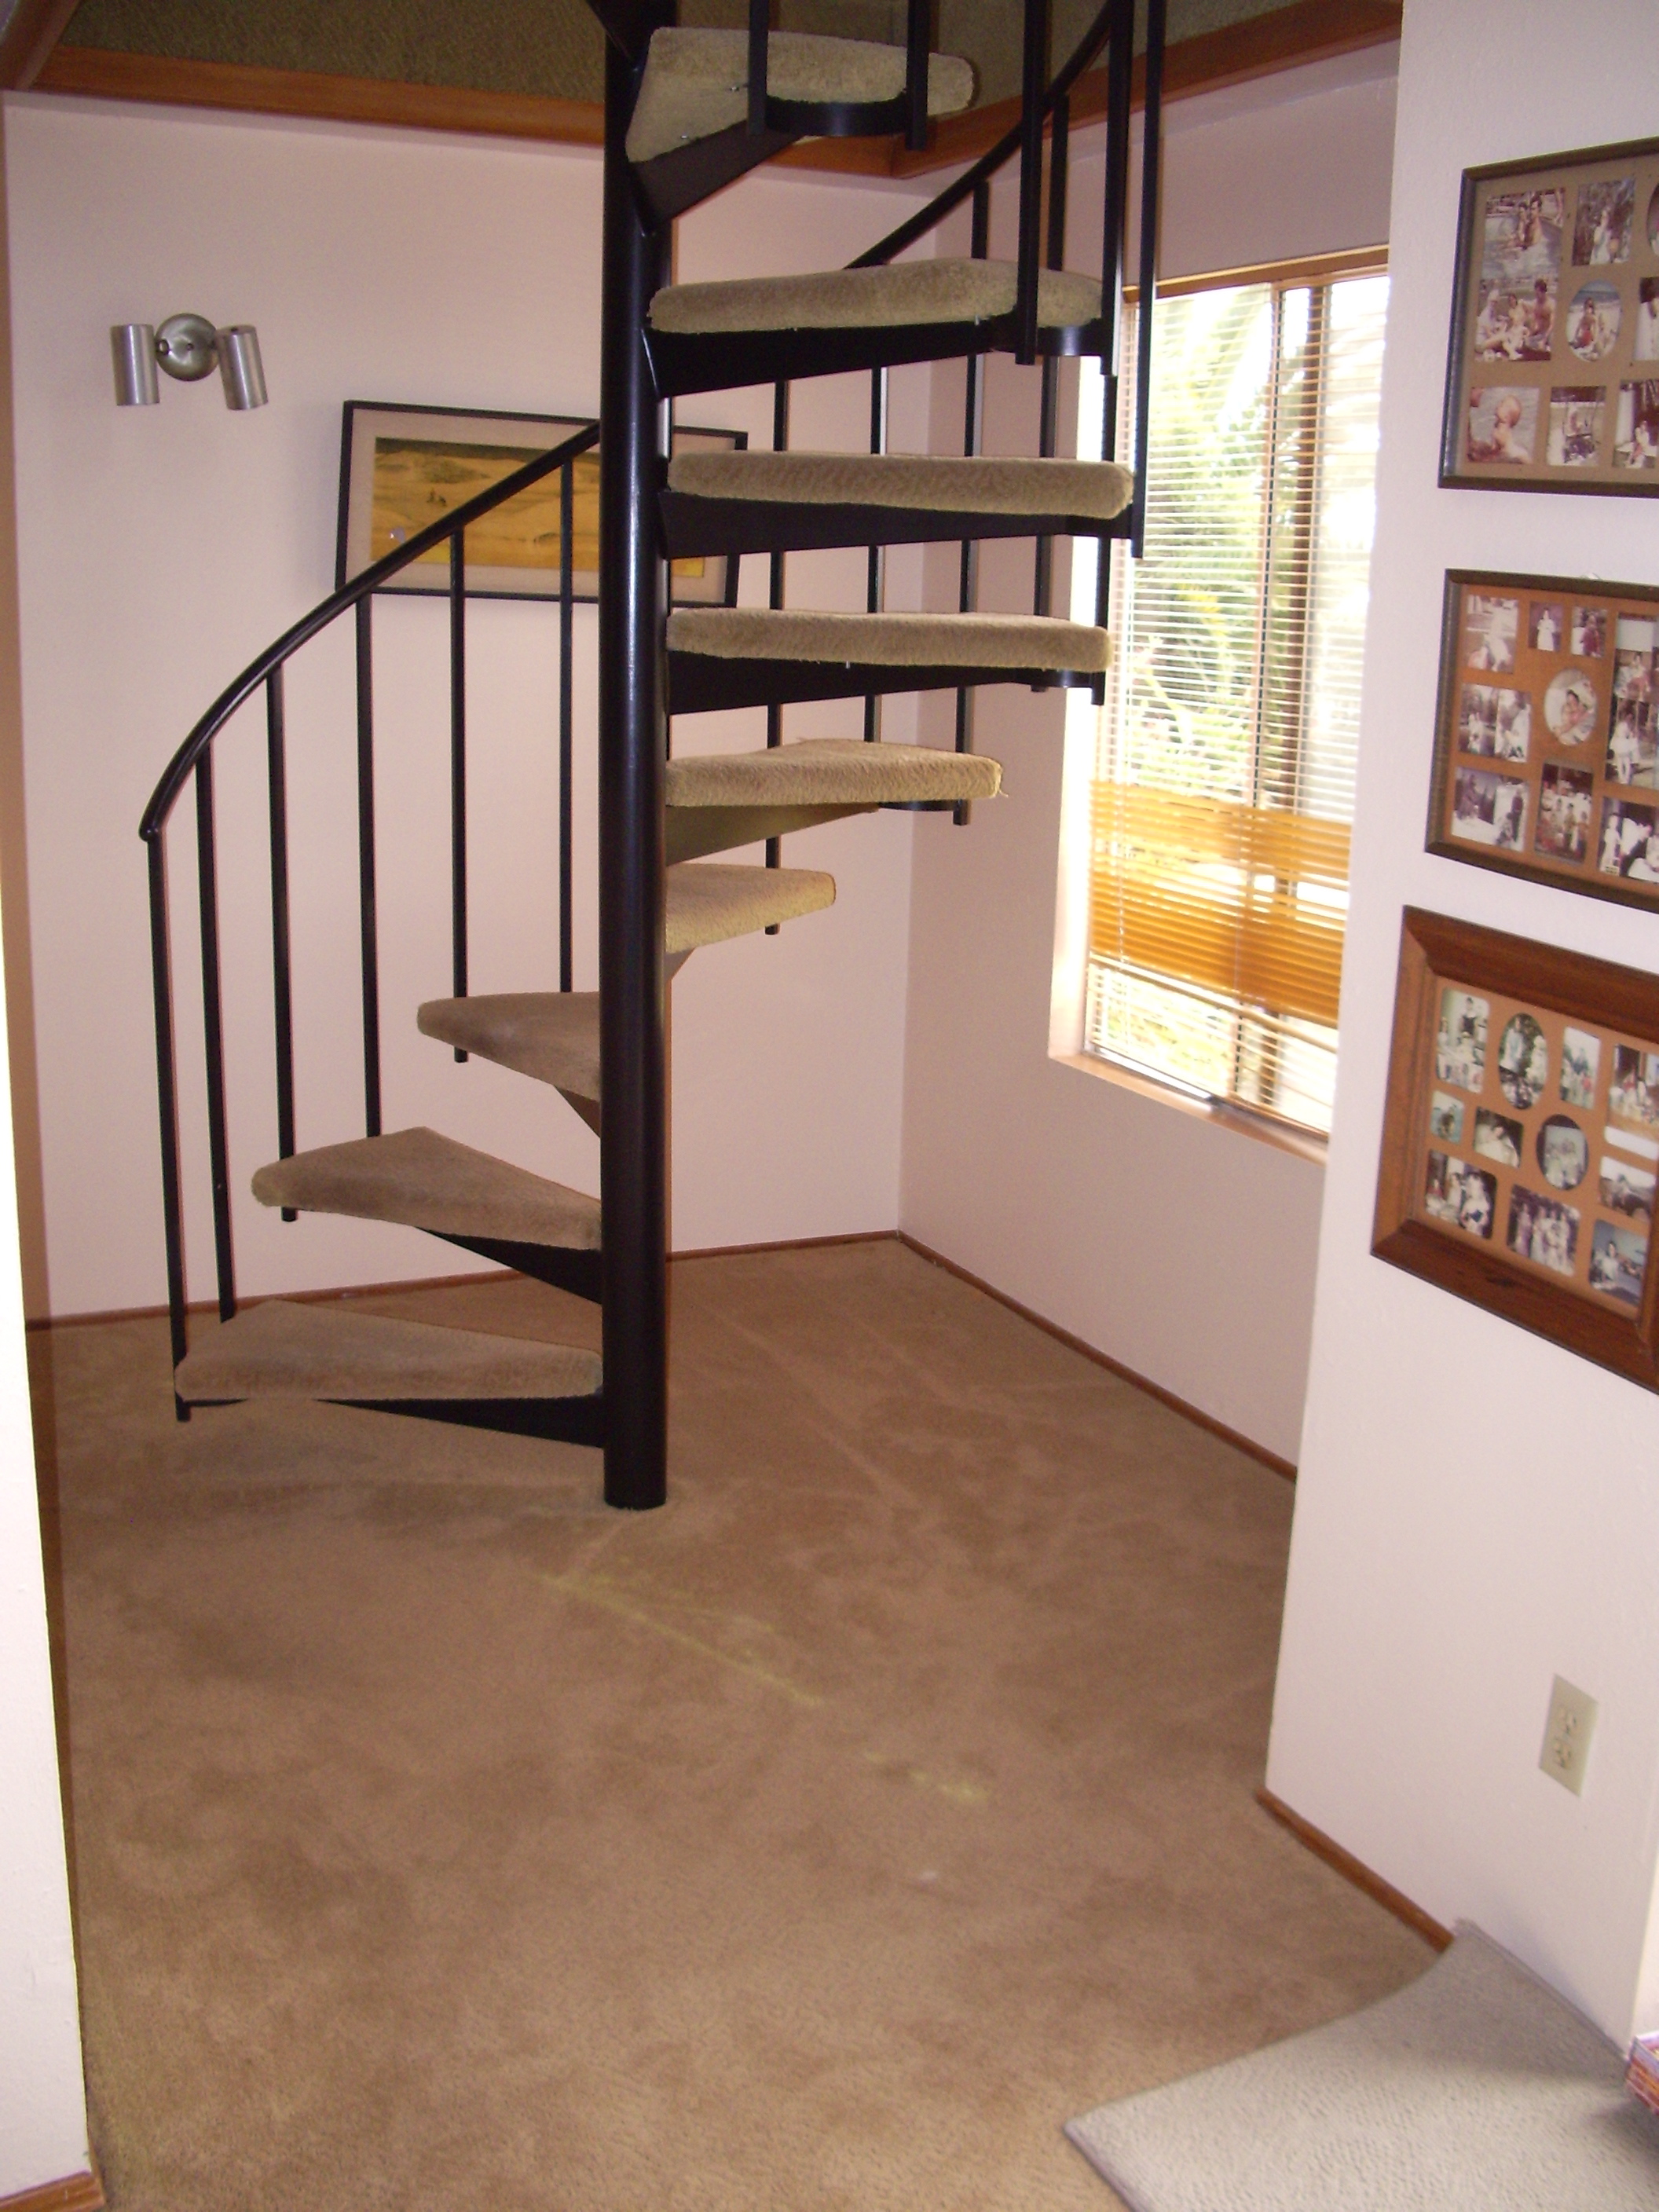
[1284,38]
[1355,1870]
[80,2192]
[1246,1444]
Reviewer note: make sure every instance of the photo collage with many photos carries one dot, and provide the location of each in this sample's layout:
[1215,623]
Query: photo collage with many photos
[1558,359]
[1542,1137]
[1548,743]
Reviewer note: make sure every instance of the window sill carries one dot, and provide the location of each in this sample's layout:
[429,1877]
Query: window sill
[1303,1143]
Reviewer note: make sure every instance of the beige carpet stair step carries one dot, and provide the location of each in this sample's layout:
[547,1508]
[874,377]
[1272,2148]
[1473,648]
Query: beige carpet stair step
[425,1181]
[552,1037]
[783,503]
[281,1350]
[921,292]
[697,82]
[719,801]
[894,641]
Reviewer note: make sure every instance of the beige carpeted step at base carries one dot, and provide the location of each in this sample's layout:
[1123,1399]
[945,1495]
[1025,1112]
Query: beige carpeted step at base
[426,1180]
[697,82]
[937,484]
[708,905]
[948,291]
[900,641]
[831,772]
[279,1350]
[553,1036]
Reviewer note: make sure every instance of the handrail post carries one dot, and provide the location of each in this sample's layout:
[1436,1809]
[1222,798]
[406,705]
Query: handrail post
[878,570]
[213,1033]
[567,718]
[282,967]
[167,1099]
[1151,169]
[774,598]
[1031,179]
[458,766]
[632,1044]
[973,436]
[367,922]
[1049,421]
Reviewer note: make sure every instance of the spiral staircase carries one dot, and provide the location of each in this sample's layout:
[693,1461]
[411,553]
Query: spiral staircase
[686,112]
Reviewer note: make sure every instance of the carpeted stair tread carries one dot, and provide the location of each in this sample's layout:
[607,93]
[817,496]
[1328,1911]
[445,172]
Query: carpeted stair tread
[945,291]
[994,485]
[831,772]
[710,902]
[281,1350]
[430,1182]
[901,640]
[551,1036]
[697,82]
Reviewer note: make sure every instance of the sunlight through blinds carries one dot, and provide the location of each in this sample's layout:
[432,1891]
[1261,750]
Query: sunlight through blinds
[1224,783]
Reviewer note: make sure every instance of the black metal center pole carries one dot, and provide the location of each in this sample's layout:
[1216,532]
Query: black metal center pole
[634,1180]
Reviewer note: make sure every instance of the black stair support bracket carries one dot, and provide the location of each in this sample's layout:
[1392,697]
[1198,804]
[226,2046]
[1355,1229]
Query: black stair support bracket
[701,683]
[719,361]
[694,526]
[633,758]
[555,1420]
[628,24]
[566,1267]
[694,831]
[672,183]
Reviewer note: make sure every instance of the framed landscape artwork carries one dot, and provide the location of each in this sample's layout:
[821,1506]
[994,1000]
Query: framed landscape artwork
[1546,745]
[401,468]
[1521,1138]
[1552,383]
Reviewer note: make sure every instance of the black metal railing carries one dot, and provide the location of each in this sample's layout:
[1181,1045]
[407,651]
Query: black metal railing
[194,763]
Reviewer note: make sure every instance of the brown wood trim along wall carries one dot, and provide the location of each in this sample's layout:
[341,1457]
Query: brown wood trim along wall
[1309,30]
[81,2192]
[1351,1869]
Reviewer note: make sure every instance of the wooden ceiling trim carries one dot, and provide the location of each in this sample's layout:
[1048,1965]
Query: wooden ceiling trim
[1286,38]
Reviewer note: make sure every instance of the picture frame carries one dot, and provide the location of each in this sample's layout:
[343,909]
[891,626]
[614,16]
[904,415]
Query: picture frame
[1546,731]
[402,465]
[1521,1137]
[1552,374]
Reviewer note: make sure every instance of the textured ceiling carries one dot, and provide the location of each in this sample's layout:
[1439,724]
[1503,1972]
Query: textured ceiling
[552,48]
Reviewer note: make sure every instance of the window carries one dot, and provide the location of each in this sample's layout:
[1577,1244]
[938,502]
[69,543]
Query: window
[1225,753]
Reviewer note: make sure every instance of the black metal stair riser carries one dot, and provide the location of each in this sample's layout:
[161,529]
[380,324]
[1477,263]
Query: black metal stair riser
[683,361]
[671,182]
[702,683]
[694,526]
[563,1267]
[555,1420]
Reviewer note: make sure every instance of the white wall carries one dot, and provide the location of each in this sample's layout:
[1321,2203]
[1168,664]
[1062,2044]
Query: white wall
[42,2126]
[1477,1509]
[1171,1241]
[161,548]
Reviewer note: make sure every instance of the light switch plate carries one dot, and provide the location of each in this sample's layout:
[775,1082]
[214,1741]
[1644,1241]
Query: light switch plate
[1567,1734]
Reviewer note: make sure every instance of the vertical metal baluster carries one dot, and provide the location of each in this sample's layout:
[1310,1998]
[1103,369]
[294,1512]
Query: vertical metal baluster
[973,436]
[877,554]
[166,1096]
[1034,82]
[759,17]
[566,722]
[281,973]
[458,764]
[1119,87]
[213,1034]
[1042,587]
[917,25]
[774,598]
[1151,132]
[368,923]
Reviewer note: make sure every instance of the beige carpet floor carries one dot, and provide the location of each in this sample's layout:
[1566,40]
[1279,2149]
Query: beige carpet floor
[820,1841]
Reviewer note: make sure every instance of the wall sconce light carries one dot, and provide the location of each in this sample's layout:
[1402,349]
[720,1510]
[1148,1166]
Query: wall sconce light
[189,348]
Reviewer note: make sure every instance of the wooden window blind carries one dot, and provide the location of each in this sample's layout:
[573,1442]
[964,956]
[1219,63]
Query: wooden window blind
[1226,748]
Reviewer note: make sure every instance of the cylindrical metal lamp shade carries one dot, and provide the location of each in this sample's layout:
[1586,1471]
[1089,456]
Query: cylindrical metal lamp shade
[241,367]
[133,345]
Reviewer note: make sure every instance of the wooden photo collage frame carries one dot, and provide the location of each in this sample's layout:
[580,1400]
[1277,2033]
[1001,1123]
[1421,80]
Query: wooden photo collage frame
[1546,732]
[1552,383]
[1521,1138]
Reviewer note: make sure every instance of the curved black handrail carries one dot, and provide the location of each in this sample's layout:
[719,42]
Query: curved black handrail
[962,188]
[166,793]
